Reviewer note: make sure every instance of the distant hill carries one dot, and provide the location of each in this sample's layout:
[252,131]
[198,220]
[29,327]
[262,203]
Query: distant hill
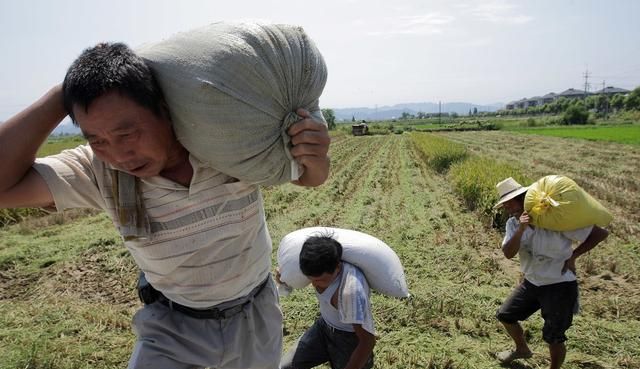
[66,127]
[395,111]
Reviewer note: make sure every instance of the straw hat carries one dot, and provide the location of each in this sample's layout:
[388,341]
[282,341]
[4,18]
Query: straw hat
[508,189]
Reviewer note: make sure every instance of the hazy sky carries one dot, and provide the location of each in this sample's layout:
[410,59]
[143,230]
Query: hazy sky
[377,53]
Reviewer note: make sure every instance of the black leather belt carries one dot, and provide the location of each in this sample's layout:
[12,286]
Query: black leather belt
[213,313]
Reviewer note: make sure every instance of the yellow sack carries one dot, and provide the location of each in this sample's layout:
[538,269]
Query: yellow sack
[557,203]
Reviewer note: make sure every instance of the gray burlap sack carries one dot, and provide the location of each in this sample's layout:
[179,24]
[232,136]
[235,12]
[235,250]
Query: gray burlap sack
[233,89]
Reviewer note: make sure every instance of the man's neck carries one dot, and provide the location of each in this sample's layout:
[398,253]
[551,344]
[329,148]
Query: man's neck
[181,172]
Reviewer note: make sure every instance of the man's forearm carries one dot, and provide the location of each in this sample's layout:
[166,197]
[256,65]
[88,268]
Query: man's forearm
[596,236]
[511,248]
[22,135]
[366,342]
[360,356]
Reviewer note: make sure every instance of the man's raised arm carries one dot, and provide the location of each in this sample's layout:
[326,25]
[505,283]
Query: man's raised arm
[20,138]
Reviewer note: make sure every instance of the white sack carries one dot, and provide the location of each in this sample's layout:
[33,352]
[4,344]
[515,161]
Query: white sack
[233,89]
[379,263]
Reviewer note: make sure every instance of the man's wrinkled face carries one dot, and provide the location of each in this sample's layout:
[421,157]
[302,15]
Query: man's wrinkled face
[126,135]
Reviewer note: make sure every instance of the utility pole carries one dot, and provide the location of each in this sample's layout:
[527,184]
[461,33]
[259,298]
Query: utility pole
[439,111]
[586,82]
[605,100]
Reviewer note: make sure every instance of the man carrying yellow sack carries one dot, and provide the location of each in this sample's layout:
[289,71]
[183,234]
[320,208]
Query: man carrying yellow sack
[547,260]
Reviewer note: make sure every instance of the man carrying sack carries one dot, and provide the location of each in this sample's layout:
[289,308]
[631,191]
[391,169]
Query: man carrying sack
[198,234]
[547,260]
[343,335]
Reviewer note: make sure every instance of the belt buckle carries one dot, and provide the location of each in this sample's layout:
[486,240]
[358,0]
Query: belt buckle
[217,314]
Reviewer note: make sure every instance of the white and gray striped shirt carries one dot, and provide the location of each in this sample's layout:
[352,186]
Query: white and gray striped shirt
[209,242]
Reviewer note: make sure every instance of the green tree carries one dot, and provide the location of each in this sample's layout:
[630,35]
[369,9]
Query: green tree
[560,105]
[533,110]
[632,101]
[602,103]
[575,114]
[578,102]
[553,107]
[591,102]
[544,109]
[330,117]
[617,102]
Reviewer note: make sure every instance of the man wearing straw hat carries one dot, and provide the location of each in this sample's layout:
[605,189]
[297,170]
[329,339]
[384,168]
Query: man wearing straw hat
[547,260]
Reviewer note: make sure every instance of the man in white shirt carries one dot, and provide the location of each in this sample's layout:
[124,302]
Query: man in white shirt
[343,340]
[547,260]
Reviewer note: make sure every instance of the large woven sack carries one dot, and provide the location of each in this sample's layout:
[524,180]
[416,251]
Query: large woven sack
[379,263]
[233,89]
[557,203]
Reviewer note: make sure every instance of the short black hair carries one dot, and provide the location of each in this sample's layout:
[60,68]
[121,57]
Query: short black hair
[319,255]
[110,67]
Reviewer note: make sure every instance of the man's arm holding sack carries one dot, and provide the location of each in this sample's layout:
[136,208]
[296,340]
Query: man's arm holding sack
[512,246]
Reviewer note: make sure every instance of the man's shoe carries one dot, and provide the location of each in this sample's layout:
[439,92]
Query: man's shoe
[505,357]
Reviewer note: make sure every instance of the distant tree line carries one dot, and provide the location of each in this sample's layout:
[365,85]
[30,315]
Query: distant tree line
[572,111]
[601,104]
[423,115]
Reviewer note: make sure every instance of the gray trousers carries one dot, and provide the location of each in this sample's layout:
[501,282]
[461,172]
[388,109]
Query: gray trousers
[168,339]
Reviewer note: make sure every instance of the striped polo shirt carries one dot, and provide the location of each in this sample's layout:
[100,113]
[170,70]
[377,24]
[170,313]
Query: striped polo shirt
[209,242]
